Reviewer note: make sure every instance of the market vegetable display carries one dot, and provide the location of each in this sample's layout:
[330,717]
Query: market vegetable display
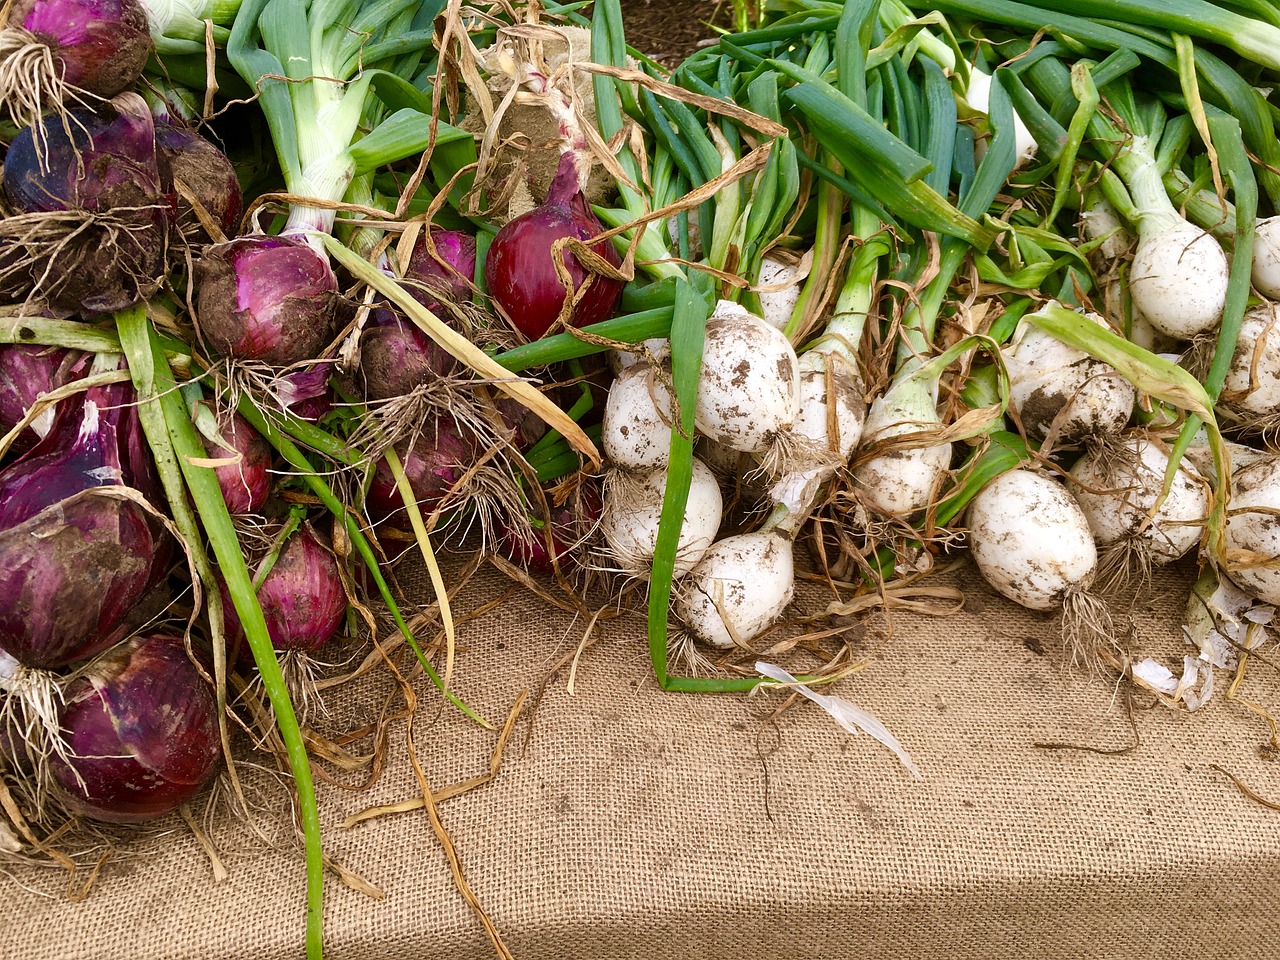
[860,292]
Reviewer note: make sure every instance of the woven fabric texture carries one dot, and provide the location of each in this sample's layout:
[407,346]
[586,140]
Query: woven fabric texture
[643,824]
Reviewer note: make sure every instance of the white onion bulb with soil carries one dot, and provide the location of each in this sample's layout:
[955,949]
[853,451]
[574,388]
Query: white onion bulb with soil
[636,426]
[749,387]
[776,305]
[1266,257]
[1056,386]
[633,510]
[1118,485]
[1251,391]
[1253,529]
[1031,541]
[738,589]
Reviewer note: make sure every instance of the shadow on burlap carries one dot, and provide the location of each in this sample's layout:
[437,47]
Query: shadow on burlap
[642,824]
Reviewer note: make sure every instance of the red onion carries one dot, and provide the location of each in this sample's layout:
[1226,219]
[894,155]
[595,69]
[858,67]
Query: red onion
[70,575]
[271,299]
[246,484]
[570,524]
[26,372]
[205,172]
[427,276]
[396,356]
[521,274]
[142,734]
[302,596]
[100,45]
[105,231]
[435,461]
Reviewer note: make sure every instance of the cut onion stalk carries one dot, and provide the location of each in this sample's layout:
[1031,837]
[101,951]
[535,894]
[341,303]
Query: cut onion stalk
[1120,487]
[1060,390]
[633,509]
[1031,541]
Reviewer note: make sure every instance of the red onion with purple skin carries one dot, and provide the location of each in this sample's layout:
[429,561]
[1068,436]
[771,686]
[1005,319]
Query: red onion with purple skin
[302,597]
[270,299]
[142,733]
[26,372]
[110,197]
[428,276]
[570,523]
[395,355]
[100,46]
[245,485]
[520,272]
[72,566]
[183,155]
[71,574]
[433,464]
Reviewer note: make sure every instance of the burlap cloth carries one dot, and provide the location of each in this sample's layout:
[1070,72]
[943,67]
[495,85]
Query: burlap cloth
[654,825]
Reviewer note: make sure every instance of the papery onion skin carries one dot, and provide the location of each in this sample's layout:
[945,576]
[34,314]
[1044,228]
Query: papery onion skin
[142,732]
[520,272]
[269,299]
[26,372]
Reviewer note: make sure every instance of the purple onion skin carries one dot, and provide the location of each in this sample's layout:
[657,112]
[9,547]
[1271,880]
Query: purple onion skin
[107,266]
[302,597]
[143,729]
[520,272]
[568,525]
[206,172]
[97,442]
[396,356]
[245,485]
[70,575]
[26,371]
[458,250]
[271,299]
[117,149]
[433,464]
[102,45]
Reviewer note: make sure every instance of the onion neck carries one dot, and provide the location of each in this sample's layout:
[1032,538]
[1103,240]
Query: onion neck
[1137,166]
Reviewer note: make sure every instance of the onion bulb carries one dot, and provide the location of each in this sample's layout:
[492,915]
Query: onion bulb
[738,589]
[636,428]
[633,509]
[749,387]
[1253,529]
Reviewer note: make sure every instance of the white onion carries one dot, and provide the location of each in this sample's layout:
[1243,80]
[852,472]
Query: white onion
[1266,257]
[633,510]
[738,589]
[1252,387]
[1030,540]
[749,387]
[902,481]
[619,360]
[1178,278]
[1253,528]
[635,430]
[776,305]
[1118,485]
[1052,381]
